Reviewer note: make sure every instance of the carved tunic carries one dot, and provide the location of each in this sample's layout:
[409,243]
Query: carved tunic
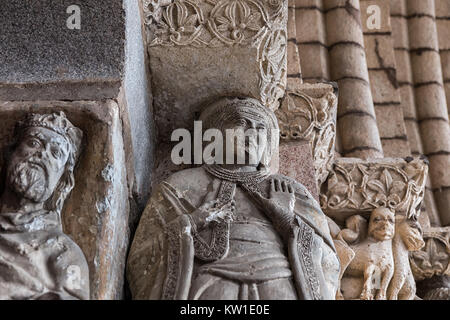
[169,259]
[38,261]
[256,254]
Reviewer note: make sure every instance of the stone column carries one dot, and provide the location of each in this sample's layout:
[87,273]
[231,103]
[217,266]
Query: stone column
[443,28]
[430,99]
[311,40]
[294,73]
[383,80]
[356,113]
[408,102]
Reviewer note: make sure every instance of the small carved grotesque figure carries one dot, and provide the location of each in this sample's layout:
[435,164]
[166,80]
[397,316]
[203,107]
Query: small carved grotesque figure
[37,260]
[233,231]
[372,259]
[408,237]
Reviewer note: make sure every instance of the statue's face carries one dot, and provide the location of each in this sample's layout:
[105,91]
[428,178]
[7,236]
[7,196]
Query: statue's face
[382,224]
[37,164]
[255,141]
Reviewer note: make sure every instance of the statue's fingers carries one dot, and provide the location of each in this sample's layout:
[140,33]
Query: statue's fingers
[284,186]
[277,185]
[290,188]
[272,185]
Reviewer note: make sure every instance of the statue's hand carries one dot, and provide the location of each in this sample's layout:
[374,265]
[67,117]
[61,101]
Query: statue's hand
[212,211]
[280,206]
[282,196]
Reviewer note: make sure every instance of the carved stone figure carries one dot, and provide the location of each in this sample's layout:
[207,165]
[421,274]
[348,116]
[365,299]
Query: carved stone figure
[408,237]
[37,260]
[233,231]
[378,255]
[373,255]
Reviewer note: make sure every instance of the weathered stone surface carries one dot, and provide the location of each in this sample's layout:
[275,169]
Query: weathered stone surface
[348,67]
[294,72]
[184,60]
[245,212]
[308,113]
[434,259]
[296,161]
[95,215]
[408,102]
[39,261]
[312,40]
[374,256]
[379,47]
[431,103]
[41,58]
[360,186]
[137,101]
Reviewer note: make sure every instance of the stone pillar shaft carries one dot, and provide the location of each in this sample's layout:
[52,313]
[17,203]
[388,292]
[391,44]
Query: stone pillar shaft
[431,103]
[294,73]
[408,102]
[356,114]
[312,40]
[383,81]
[443,28]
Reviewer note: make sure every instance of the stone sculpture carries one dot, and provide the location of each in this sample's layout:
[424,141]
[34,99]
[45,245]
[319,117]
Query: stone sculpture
[233,232]
[408,237]
[373,255]
[37,260]
[378,252]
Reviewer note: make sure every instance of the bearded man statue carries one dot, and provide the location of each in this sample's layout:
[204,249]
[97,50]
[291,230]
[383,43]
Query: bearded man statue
[234,231]
[37,260]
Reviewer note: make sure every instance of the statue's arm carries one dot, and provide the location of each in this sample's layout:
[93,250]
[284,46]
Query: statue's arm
[162,225]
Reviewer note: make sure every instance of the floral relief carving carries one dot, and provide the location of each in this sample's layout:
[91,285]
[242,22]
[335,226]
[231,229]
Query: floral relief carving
[211,23]
[302,117]
[234,22]
[356,185]
[259,24]
[434,258]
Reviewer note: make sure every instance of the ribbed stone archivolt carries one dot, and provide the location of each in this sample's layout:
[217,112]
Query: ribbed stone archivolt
[356,185]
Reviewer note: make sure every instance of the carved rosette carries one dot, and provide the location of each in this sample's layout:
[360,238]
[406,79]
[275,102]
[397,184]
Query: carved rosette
[259,24]
[434,258]
[356,185]
[313,119]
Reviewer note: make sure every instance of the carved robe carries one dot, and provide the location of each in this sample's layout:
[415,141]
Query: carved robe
[168,255]
[38,261]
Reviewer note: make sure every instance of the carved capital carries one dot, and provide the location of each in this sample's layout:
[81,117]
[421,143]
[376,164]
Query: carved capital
[357,185]
[433,259]
[258,24]
[309,114]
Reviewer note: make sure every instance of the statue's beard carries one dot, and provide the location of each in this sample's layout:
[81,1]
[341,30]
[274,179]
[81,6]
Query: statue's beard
[28,180]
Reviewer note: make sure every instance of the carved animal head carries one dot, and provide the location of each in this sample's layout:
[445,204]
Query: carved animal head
[410,232]
[382,224]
